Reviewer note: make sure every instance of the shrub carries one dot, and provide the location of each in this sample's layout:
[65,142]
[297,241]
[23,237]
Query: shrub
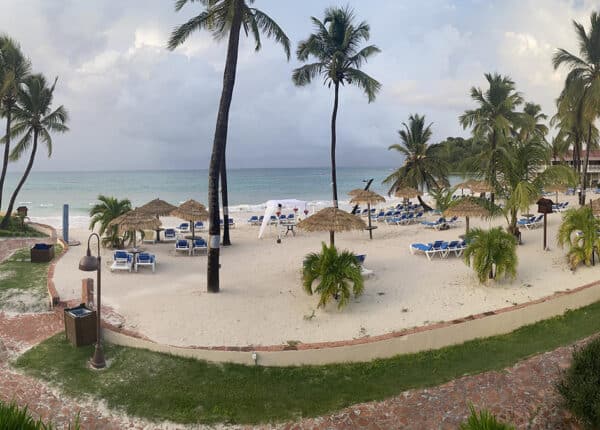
[491,253]
[580,384]
[14,418]
[483,420]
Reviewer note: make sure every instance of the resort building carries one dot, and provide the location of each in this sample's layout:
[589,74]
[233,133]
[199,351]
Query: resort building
[593,167]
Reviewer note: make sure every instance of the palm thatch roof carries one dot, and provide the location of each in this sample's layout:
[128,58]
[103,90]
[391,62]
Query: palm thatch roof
[467,207]
[365,196]
[135,220]
[556,188]
[191,210]
[407,193]
[157,207]
[332,219]
[475,186]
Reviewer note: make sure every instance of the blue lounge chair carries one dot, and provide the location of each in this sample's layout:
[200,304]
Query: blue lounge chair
[145,260]
[122,260]
[253,220]
[198,226]
[290,217]
[184,227]
[199,245]
[361,260]
[170,235]
[231,222]
[434,224]
[182,245]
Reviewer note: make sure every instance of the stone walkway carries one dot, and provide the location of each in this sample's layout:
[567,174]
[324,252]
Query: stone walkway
[523,394]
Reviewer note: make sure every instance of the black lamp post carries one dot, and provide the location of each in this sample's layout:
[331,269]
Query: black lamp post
[89,263]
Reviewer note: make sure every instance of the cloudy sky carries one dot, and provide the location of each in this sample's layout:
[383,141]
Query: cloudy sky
[135,105]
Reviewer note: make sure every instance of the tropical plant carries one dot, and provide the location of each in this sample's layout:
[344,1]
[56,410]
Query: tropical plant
[579,230]
[443,197]
[423,166]
[103,213]
[14,68]
[531,124]
[336,272]
[483,420]
[455,150]
[335,46]
[583,81]
[580,384]
[34,120]
[224,19]
[493,120]
[12,417]
[559,147]
[491,253]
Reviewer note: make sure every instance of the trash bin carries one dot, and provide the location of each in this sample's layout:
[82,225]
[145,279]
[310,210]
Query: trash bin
[42,253]
[80,325]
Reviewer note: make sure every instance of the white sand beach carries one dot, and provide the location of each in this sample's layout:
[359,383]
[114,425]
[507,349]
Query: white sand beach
[262,301]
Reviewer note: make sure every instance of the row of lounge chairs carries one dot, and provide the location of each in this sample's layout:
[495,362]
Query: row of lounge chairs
[191,247]
[404,218]
[441,222]
[123,260]
[531,222]
[559,207]
[258,220]
[439,247]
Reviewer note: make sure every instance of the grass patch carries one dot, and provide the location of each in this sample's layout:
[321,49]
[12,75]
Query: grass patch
[163,387]
[23,285]
[16,229]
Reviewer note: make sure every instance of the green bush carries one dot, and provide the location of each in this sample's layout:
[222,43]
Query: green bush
[483,420]
[14,418]
[580,384]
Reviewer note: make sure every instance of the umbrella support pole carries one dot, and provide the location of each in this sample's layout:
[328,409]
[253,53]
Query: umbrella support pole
[370,229]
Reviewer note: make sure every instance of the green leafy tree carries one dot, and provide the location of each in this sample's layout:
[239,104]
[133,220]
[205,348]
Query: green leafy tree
[455,150]
[493,120]
[336,48]
[14,68]
[579,231]
[224,19]
[336,273]
[34,122]
[101,214]
[491,253]
[423,167]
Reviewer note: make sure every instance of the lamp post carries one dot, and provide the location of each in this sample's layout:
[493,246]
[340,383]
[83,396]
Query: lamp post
[89,263]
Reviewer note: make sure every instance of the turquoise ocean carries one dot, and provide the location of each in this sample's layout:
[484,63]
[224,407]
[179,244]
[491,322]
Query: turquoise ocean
[45,192]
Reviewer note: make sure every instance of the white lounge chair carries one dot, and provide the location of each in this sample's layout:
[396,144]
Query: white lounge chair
[122,260]
[199,245]
[145,260]
[182,245]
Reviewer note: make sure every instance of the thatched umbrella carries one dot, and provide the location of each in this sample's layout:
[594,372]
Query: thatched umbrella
[191,211]
[369,197]
[407,193]
[135,220]
[555,189]
[475,186]
[467,207]
[157,207]
[332,219]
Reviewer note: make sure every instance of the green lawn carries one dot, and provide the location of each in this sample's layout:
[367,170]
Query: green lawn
[23,284]
[163,387]
[16,229]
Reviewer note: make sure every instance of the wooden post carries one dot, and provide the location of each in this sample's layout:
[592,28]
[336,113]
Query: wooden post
[370,229]
[467,223]
[545,227]
[87,292]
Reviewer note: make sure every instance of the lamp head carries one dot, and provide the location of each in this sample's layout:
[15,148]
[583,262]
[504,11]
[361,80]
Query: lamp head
[88,263]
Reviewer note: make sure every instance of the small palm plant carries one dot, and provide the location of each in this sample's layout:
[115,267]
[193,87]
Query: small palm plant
[483,420]
[443,197]
[491,253]
[579,230]
[336,273]
[103,213]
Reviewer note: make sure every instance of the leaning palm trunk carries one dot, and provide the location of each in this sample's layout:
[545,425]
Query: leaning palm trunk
[11,203]
[333,142]
[225,202]
[585,166]
[6,151]
[212,273]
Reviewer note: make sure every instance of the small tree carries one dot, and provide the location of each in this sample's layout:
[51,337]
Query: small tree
[443,197]
[491,253]
[579,230]
[103,213]
[336,272]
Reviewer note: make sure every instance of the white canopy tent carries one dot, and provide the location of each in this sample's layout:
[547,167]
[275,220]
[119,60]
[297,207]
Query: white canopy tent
[273,205]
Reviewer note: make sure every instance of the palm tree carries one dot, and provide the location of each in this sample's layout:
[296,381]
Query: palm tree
[336,272]
[583,79]
[103,213]
[579,230]
[559,146]
[224,18]
[532,122]
[335,46]
[494,118]
[34,120]
[491,253]
[423,165]
[14,68]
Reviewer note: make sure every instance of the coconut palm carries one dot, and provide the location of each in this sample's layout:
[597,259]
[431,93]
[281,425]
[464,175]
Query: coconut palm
[583,80]
[579,230]
[224,19]
[336,272]
[14,68]
[423,165]
[336,49]
[493,119]
[491,253]
[101,214]
[532,122]
[34,121]
[559,146]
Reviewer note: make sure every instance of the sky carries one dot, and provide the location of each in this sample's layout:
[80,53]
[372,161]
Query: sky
[135,105]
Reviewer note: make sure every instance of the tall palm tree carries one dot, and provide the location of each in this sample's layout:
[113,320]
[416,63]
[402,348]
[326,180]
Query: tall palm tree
[493,119]
[103,213]
[423,165]
[224,18]
[492,253]
[335,46]
[14,68]
[34,120]
[559,146]
[584,78]
[532,122]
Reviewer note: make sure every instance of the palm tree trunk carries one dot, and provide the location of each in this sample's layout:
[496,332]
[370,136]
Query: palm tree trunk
[333,142]
[11,203]
[493,169]
[225,203]
[586,164]
[6,151]
[213,266]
